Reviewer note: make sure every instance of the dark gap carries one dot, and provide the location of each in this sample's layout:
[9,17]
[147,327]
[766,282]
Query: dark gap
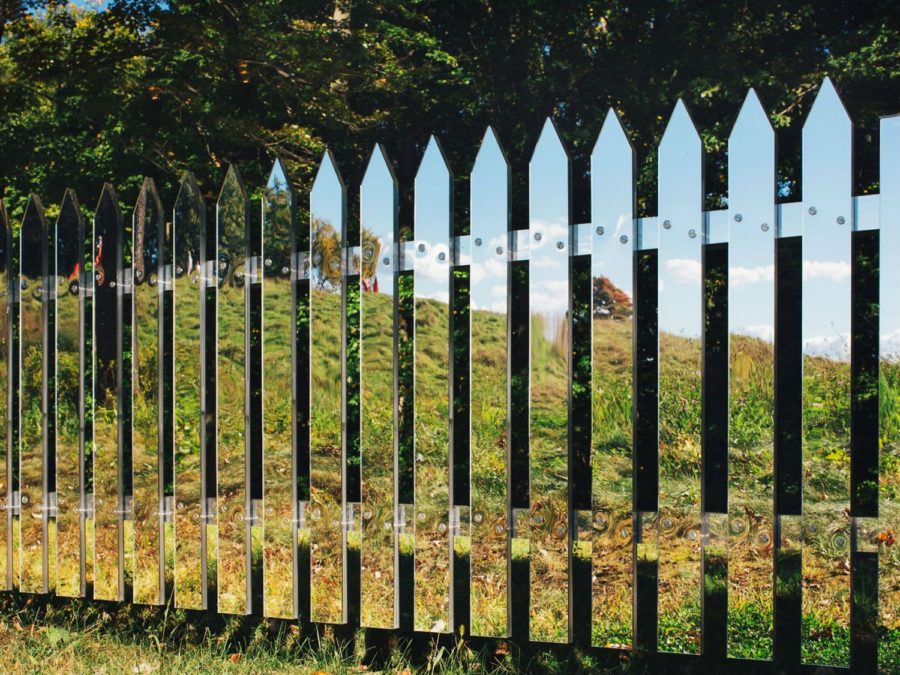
[406,326]
[646,418]
[460,331]
[352,430]
[580,408]
[519,349]
[715,379]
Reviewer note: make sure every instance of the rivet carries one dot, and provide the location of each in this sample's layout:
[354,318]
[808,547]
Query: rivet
[560,245]
[692,234]
[268,262]
[385,261]
[285,270]
[624,239]
[738,217]
[764,227]
[537,236]
[478,241]
[499,250]
[442,256]
[600,230]
[421,248]
[841,220]
[667,224]
[812,210]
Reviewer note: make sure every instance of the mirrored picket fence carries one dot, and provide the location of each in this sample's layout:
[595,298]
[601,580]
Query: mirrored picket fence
[676,434]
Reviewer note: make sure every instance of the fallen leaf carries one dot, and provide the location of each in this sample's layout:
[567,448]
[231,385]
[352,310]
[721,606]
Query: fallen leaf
[235,658]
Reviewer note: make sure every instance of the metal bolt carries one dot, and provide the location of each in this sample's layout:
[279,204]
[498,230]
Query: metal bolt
[841,220]
[478,241]
[738,217]
[285,270]
[385,261]
[764,227]
[560,245]
[624,239]
[812,210]
[442,256]
[667,224]
[268,262]
[600,230]
[421,248]
[499,250]
[537,236]
[692,234]
[138,274]
[179,270]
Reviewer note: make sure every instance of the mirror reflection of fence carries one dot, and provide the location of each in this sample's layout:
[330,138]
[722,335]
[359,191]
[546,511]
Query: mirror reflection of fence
[128,351]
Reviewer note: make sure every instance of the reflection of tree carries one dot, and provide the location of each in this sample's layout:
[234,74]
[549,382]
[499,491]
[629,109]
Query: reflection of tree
[325,256]
[371,249]
[610,301]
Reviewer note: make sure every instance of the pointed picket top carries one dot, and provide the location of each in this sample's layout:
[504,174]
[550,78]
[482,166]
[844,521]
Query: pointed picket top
[612,179]
[328,175]
[232,186]
[490,151]
[34,213]
[827,110]
[549,146]
[188,192]
[278,180]
[681,175]
[109,200]
[434,164]
[378,166]
[751,173]
[69,205]
[752,120]
[149,196]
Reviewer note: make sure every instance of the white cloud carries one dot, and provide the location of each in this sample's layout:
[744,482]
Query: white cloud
[830,346]
[738,276]
[684,270]
[762,331]
[825,269]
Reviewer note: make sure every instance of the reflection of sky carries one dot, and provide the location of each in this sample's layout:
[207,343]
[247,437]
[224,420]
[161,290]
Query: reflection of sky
[827,181]
[549,216]
[680,202]
[890,237]
[612,205]
[490,195]
[751,198]
[432,195]
[326,202]
[376,212]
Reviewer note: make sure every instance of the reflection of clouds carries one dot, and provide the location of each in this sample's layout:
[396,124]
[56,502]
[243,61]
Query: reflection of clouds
[684,270]
[830,346]
[824,269]
[890,345]
[440,296]
[494,298]
[550,296]
[492,268]
[760,331]
[738,276]
[429,268]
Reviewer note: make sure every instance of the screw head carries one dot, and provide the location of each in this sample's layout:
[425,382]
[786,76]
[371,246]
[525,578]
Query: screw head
[764,227]
[478,241]
[499,250]
[667,224]
[421,248]
[442,256]
[600,230]
[560,245]
[385,261]
[268,262]
[841,220]
[692,234]
[537,236]
[812,210]
[738,217]
[624,239]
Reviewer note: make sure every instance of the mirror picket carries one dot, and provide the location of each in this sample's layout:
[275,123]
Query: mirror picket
[148,250]
[378,393]
[232,437]
[70,355]
[189,392]
[327,415]
[680,310]
[33,573]
[431,265]
[109,570]
[7,277]
[751,419]
[549,307]
[613,337]
[827,254]
[279,312]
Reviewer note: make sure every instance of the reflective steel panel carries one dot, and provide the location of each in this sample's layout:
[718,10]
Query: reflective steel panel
[188,328]
[888,522]
[327,415]
[6,277]
[33,309]
[70,255]
[680,312]
[378,359]
[278,330]
[431,263]
[146,413]
[751,404]
[109,579]
[232,396]
[827,231]
[489,390]
[612,447]
[549,298]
